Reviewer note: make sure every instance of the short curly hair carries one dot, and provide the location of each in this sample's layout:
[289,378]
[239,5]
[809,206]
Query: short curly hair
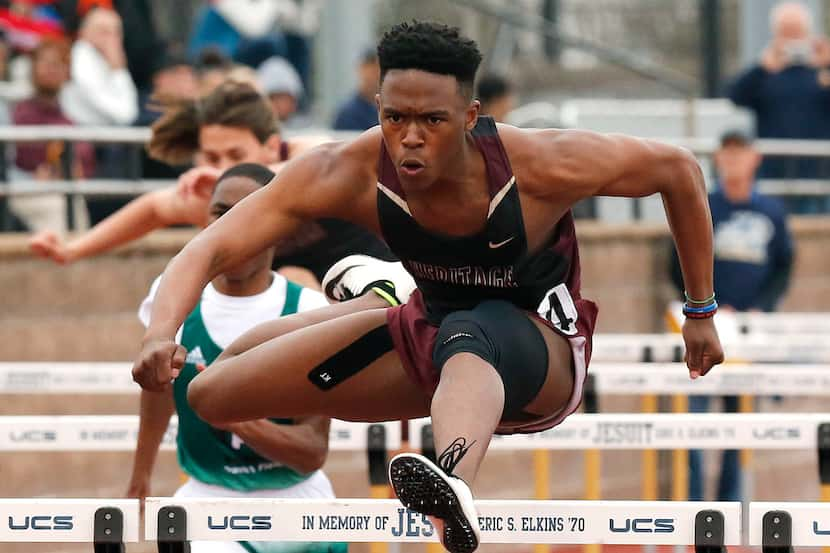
[430,47]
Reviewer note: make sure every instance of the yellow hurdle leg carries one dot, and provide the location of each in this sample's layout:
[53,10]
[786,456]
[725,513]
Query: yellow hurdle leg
[379,491]
[680,458]
[541,484]
[746,404]
[825,496]
[593,474]
[648,476]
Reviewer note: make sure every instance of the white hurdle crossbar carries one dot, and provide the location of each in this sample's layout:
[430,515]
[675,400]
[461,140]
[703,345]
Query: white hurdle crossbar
[737,379]
[110,521]
[627,348]
[662,431]
[67,378]
[502,521]
[633,378]
[781,525]
[577,432]
[119,433]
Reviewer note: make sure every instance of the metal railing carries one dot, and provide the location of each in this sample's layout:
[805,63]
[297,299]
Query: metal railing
[92,187]
[141,135]
[136,137]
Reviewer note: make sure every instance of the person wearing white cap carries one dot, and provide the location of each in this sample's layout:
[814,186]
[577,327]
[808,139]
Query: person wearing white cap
[281,83]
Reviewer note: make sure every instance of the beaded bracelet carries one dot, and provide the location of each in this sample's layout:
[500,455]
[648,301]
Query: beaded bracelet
[704,312]
[699,302]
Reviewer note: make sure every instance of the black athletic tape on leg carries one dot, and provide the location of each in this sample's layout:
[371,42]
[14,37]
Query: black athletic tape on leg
[352,359]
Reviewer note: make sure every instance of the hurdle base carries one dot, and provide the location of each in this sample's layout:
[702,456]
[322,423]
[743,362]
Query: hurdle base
[172,530]
[108,532]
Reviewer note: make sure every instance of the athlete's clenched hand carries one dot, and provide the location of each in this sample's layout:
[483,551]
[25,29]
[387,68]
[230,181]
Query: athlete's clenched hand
[703,349]
[159,362]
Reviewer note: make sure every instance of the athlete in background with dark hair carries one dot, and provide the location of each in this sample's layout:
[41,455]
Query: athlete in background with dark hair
[231,125]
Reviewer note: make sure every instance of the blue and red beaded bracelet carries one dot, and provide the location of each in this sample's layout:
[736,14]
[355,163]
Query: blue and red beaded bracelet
[700,309]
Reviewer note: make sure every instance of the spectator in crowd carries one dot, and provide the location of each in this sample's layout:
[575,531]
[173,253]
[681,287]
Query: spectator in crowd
[243,30]
[789,93]
[496,97]
[753,260]
[27,22]
[298,22]
[282,85]
[253,53]
[173,80]
[232,125]
[264,458]
[212,69]
[50,71]
[360,112]
[141,42]
[101,91]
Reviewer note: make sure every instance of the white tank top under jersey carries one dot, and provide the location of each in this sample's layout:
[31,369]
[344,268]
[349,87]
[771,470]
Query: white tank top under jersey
[226,318]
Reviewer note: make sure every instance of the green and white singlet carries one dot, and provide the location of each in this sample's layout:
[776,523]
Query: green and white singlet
[216,456]
[218,462]
[210,455]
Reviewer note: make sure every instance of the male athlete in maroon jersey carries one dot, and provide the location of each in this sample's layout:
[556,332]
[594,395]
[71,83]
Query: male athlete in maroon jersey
[497,336]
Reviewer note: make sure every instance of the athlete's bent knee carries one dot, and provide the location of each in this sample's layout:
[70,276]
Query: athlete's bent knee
[503,336]
[200,394]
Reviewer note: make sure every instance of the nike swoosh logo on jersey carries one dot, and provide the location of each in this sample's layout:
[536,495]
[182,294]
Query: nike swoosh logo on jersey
[334,288]
[496,245]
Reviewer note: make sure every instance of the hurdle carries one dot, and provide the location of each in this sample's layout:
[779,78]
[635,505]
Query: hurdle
[778,527]
[643,365]
[581,431]
[119,433]
[647,348]
[637,431]
[731,379]
[106,523]
[172,521]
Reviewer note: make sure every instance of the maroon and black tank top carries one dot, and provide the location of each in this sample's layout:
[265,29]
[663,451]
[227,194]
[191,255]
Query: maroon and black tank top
[455,273]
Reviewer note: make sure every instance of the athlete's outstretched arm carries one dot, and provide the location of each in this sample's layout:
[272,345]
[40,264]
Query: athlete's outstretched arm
[156,410]
[330,181]
[148,212]
[591,164]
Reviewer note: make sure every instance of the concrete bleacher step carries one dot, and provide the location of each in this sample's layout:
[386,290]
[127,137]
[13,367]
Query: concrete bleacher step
[42,288]
[70,337]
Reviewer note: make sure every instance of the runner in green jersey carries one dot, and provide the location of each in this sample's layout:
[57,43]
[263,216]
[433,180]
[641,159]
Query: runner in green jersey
[265,458]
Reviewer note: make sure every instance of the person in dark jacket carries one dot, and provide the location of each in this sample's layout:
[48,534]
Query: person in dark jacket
[360,112]
[753,260]
[788,91]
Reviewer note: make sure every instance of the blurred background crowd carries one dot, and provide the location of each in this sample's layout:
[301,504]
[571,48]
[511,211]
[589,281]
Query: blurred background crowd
[647,67]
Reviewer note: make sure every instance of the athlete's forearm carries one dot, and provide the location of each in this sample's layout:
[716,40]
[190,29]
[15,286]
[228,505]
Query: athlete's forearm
[156,410]
[180,288]
[301,447]
[134,220]
[687,208]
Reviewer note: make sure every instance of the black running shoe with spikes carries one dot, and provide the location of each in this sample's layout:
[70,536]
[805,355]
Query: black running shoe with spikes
[432,490]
